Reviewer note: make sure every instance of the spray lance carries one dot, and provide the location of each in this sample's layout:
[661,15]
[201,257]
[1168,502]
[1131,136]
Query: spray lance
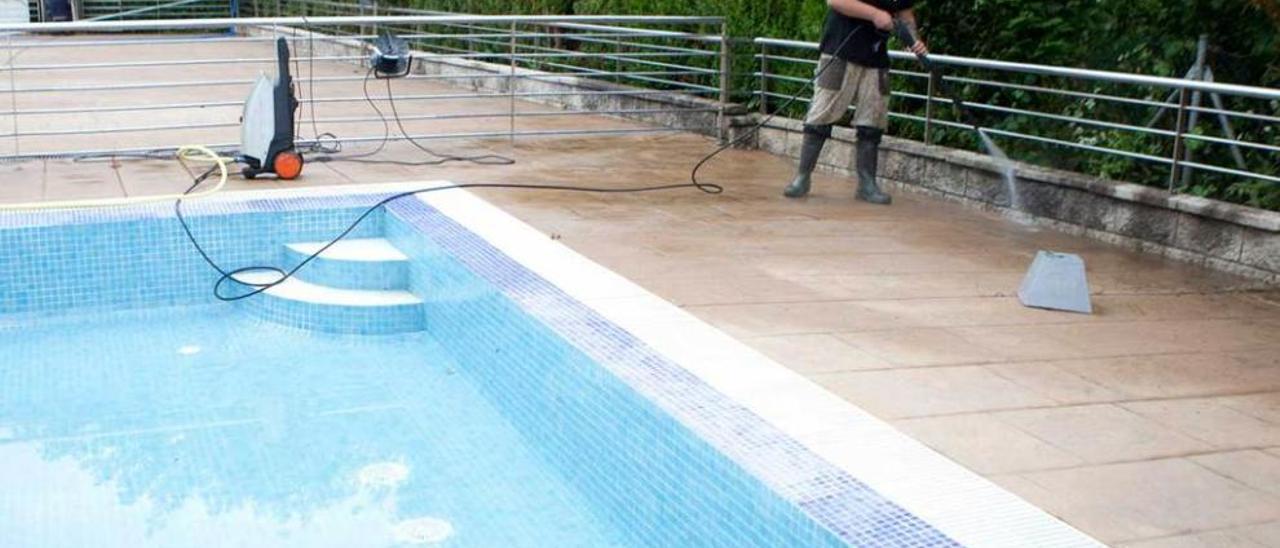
[903,31]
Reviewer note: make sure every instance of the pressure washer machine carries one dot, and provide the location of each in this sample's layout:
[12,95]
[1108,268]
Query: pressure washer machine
[267,125]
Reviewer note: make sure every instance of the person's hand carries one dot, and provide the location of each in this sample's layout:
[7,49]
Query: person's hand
[882,20]
[919,48]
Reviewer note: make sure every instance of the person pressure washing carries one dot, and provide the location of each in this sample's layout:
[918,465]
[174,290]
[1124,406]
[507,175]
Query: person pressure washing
[853,69]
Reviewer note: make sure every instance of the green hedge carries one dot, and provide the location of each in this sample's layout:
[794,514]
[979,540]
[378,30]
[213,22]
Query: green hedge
[1141,36]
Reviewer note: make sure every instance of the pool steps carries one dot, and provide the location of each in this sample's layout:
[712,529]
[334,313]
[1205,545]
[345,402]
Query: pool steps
[365,263]
[356,286]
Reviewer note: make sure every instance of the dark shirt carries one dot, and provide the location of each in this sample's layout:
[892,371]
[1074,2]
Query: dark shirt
[868,46]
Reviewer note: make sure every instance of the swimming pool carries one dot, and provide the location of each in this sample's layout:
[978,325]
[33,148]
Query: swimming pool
[468,383]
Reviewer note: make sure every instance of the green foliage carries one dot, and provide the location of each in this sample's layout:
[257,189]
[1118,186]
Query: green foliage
[1153,37]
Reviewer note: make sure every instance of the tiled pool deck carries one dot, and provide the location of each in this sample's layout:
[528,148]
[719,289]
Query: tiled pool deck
[1154,422]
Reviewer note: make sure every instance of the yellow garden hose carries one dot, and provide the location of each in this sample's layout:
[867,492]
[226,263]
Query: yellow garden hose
[185,155]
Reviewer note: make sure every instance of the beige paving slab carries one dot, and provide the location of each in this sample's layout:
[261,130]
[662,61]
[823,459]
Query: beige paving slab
[81,181]
[1182,374]
[1231,538]
[1257,469]
[1267,534]
[1144,500]
[1265,406]
[931,391]
[919,347]
[819,353]
[1022,342]
[1104,433]
[23,182]
[752,320]
[1056,383]
[742,289]
[986,444]
[1211,421]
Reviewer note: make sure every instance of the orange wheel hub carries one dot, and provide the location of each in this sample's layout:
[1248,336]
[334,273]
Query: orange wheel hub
[288,165]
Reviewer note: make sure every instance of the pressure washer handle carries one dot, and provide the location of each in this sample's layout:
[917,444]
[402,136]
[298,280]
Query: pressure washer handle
[908,38]
[903,31]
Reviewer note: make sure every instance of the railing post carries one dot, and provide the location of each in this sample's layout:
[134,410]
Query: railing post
[360,10]
[617,60]
[928,112]
[13,96]
[726,68]
[1193,118]
[1179,128]
[764,79]
[511,83]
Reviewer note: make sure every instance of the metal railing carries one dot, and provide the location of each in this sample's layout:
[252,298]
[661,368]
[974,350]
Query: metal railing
[1099,122]
[61,103]
[1098,112]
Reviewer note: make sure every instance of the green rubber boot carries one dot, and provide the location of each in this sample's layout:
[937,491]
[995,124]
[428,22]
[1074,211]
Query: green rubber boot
[868,161]
[814,138]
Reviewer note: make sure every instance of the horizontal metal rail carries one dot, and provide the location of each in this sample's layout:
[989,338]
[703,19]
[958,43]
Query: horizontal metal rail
[150,9]
[303,22]
[1025,87]
[1066,72]
[351,120]
[770,61]
[575,62]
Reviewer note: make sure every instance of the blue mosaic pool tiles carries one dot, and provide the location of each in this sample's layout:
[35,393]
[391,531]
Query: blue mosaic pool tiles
[654,480]
[705,443]
[335,318]
[138,257]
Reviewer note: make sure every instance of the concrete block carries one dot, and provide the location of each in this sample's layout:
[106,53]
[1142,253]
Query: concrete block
[1042,200]
[906,167]
[990,187]
[1141,222]
[1209,237]
[839,155]
[891,164]
[772,141]
[1261,249]
[794,141]
[1086,209]
[946,177]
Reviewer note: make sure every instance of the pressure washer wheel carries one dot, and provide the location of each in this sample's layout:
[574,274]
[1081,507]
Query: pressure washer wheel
[287,165]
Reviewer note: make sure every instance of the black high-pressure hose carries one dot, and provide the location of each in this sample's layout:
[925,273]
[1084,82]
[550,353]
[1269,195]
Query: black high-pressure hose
[284,275]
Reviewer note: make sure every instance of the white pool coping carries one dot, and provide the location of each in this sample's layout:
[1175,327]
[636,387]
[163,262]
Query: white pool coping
[956,501]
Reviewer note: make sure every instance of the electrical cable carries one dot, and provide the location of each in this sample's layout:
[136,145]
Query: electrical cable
[331,150]
[284,275]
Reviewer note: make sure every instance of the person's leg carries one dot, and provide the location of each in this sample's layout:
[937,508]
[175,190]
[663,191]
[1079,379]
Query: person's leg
[815,136]
[832,93]
[871,120]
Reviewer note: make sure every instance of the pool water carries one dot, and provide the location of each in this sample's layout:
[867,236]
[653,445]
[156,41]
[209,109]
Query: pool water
[137,411]
[156,428]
